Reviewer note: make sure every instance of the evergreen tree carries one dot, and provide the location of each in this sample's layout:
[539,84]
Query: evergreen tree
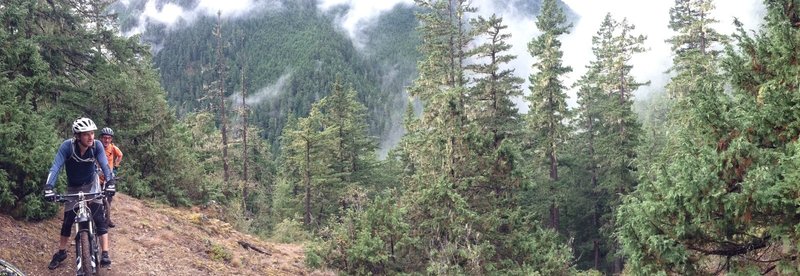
[354,151]
[439,215]
[243,111]
[492,109]
[312,142]
[609,130]
[695,46]
[591,101]
[220,69]
[461,156]
[369,240]
[494,121]
[328,156]
[25,134]
[548,113]
[725,202]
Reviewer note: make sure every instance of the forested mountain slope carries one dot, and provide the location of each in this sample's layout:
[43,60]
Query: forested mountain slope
[286,58]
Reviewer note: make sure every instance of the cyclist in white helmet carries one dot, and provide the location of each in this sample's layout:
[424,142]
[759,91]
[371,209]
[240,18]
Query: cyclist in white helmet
[80,156]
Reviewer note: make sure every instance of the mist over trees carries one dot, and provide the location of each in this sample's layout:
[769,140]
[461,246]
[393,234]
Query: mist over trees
[279,121]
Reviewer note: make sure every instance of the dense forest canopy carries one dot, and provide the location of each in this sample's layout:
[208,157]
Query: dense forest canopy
[283,119]
[289,57]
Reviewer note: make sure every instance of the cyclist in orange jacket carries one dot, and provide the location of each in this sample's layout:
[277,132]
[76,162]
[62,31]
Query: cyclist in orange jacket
[114,156]
[113,153]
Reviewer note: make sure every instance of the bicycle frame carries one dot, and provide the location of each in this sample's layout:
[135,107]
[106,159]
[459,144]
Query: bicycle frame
[83,215]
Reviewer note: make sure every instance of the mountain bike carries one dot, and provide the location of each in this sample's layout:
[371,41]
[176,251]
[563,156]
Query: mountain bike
[87,242]
[6,269]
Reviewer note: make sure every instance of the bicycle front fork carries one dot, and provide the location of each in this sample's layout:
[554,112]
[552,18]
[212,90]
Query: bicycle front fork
[94,248]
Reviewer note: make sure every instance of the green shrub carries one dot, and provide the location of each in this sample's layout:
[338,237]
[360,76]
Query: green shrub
[219,253]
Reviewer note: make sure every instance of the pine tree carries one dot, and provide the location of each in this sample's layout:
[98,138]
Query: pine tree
[622,126]
[494,120]
[492,107]
[591,105]
[312,141]
[548,113]
[328,155]
[442,81]
[244,112]
[696,44]
[609,130]
[25,133]
[462,172]
[354,152]
[726,201]
[443,162]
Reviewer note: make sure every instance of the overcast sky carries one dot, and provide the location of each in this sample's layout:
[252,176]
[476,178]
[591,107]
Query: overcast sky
[649,16]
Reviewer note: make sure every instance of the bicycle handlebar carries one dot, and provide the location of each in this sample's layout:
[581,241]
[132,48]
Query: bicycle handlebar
[79,196]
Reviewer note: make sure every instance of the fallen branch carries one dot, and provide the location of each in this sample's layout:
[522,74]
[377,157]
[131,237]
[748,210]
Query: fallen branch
[250,246]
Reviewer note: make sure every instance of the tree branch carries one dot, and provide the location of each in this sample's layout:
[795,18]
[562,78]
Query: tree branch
[734,249]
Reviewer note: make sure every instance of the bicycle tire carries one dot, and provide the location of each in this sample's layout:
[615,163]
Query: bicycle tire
[107,209]
[7,269]
[96,251]
[84,250]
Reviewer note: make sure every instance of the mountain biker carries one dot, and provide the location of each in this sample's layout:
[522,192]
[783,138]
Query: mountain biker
[114,156]
[80,155]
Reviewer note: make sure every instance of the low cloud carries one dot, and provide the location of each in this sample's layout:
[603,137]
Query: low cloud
[651,19]
[358,14]
[172,15]
[263,94]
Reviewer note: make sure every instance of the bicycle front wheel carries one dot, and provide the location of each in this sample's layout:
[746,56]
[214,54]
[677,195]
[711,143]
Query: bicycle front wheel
[9,270]
[89,261]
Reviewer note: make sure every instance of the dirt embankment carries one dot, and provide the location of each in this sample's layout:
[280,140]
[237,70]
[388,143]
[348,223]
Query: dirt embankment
[152,239]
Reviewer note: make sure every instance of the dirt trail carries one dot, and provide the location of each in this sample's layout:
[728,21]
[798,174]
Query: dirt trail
[152,239]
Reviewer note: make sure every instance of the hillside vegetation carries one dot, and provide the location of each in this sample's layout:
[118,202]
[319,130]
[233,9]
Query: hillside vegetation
[155,239]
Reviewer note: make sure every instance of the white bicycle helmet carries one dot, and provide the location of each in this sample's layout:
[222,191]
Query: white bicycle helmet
[83,124]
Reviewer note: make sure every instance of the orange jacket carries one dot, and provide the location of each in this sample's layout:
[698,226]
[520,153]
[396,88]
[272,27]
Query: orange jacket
[114,156]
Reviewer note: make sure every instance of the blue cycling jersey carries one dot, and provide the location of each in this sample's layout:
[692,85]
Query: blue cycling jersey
[81,169]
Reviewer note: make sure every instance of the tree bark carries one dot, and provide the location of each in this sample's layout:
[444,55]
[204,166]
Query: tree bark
[307,182]
[221,95]
[244,145]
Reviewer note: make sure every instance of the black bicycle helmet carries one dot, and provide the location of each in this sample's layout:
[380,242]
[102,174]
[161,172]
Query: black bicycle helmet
[107,131]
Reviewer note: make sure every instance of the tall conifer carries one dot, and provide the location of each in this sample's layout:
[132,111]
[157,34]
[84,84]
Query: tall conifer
[548,116]
[726,200]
